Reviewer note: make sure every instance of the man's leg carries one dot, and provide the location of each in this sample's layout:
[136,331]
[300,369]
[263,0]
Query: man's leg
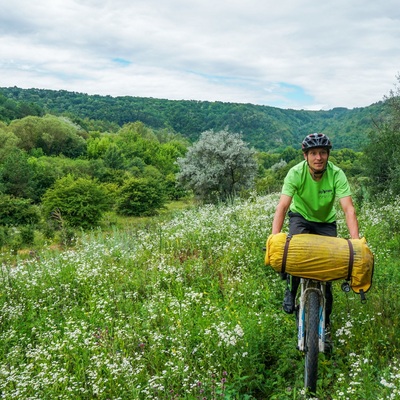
[326,229]
[297,225]
[290,293]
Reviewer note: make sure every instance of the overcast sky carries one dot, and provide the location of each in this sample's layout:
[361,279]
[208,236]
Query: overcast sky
[301,54]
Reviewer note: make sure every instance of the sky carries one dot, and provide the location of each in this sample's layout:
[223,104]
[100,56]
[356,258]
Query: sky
[290,54]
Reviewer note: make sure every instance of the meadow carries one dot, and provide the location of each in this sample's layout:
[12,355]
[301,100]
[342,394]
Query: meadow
[183,307]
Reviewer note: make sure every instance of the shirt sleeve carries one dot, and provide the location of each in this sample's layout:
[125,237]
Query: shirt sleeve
[342,185]
[289,187]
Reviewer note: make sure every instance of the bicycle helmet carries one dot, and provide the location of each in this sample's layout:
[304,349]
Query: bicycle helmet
[316,140]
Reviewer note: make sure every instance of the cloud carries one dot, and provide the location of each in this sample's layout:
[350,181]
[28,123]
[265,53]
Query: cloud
[305,54]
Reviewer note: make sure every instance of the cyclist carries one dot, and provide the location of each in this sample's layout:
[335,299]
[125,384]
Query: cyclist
[308,195]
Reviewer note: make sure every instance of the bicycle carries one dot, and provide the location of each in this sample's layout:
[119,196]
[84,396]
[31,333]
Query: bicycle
[353,262]
[311,327]
[310,316]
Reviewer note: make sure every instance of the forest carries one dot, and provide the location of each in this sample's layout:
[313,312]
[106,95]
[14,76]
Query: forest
[265,128]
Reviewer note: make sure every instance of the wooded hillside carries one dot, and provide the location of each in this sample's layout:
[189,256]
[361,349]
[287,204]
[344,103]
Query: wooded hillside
[265,128]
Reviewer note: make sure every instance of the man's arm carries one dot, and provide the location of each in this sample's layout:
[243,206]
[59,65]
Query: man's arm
[351,218]
[280,213]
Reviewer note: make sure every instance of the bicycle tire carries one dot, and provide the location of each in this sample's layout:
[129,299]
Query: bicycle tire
[311,340]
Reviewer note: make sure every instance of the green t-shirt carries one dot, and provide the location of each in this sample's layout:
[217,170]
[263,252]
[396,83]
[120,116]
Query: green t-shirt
[315,200]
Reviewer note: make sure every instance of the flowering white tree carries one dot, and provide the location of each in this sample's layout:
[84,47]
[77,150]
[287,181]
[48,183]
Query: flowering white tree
[218,166]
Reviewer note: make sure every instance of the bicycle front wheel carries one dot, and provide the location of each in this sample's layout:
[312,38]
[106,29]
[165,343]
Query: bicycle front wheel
[311,341]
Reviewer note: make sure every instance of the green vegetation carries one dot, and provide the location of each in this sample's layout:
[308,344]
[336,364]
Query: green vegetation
[185,309]
[141,196]
[178,305]
[17,211]
[382,153]
[218,167]
[265,128]
[81,202]
[140,152]
[74,177]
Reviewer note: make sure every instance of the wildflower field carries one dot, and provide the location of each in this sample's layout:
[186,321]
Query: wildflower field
[184,308]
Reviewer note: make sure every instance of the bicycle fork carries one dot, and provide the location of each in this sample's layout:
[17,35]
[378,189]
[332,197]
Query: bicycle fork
[307,287]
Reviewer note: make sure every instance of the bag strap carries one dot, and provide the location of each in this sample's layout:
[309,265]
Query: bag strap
[285,253]
[351,259]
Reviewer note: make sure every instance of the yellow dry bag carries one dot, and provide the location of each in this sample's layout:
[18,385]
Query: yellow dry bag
[323,258]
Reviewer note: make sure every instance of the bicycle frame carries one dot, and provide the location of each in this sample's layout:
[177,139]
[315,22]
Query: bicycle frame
[307,286]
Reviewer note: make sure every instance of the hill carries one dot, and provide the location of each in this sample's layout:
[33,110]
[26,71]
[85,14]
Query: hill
[266,128]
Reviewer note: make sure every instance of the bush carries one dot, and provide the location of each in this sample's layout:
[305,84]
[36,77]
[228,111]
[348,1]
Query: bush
[141,197]
[3,236]
[81,202]
[16,175]
[15,211]
[27,233]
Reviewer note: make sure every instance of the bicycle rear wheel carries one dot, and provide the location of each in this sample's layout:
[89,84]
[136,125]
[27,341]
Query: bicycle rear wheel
[311,341]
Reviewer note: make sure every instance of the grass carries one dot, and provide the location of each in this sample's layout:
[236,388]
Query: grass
[184,308]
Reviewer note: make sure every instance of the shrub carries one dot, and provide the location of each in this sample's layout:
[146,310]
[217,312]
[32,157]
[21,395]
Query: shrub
[16,211]
[15,174]
[141,197]
[3,236]
[81,202]
[27,233]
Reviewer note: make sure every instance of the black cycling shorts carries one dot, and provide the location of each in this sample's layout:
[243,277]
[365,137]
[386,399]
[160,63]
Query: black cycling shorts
[298,224]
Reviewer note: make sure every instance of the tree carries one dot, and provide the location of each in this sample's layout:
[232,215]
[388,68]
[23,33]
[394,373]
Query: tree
[10,109]
[141,197]
[54,135]
[218,166]
[16,211]
[8,142]
[45,171]
[113,158]
[97,145]
[348,160]
[80,202]
[165,158]
[382,152]
[290,153]
[393,101]
[382,160]
[16,175]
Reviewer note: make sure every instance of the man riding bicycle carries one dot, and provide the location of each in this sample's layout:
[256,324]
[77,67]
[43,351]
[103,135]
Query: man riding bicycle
[309,192]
